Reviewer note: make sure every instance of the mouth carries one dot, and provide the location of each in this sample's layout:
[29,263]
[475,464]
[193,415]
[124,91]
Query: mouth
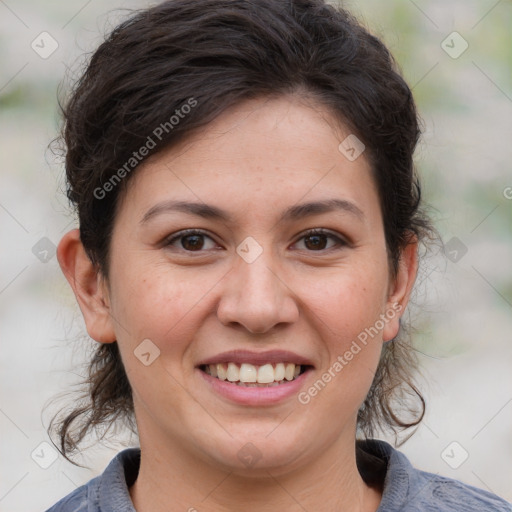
[255,376]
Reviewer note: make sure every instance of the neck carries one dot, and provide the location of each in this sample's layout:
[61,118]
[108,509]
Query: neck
[327,482]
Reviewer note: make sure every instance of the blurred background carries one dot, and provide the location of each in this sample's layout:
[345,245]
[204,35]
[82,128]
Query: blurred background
[457,57]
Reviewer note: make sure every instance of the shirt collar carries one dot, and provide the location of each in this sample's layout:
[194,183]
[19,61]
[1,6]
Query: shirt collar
[377,461]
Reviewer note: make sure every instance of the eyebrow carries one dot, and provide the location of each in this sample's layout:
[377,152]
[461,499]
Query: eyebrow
[295,212]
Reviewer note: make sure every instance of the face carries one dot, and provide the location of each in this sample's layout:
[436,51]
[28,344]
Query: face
[251,285]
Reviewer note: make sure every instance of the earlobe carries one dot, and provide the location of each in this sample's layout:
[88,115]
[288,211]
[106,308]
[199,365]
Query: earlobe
[401,289]
[88,286]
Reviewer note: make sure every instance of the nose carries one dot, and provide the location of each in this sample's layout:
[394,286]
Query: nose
[256,297]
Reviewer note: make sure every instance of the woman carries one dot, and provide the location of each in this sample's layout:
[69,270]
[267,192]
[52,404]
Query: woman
[249,229]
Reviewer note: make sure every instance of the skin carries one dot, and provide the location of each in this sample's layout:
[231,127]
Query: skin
[255,160]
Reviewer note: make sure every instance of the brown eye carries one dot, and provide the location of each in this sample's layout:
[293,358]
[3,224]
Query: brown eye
[190,240]
[317,240]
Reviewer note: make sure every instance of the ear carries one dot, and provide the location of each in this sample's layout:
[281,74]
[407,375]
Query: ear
[400,289]
[88,285]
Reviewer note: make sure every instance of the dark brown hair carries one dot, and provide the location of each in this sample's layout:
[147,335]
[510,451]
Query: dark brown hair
[219,53]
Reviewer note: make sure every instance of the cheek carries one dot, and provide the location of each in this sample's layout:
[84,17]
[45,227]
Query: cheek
[152,301]
[347,301]
[346,309]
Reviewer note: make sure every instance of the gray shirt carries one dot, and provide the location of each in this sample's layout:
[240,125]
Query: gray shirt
[405,488]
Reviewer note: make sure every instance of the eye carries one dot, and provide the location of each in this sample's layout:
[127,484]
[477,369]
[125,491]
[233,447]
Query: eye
[192,240]
[316,240]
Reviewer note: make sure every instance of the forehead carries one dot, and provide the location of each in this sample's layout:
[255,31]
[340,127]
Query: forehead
[257,156]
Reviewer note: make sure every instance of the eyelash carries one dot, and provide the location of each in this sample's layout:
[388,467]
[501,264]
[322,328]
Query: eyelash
[312,232]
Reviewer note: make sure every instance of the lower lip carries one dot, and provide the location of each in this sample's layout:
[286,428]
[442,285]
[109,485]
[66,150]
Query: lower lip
[255,395]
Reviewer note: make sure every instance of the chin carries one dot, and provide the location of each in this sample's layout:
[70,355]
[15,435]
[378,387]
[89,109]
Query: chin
[256,455]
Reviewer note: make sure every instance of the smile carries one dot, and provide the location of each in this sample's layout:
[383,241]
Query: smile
[255,378]
[249,375]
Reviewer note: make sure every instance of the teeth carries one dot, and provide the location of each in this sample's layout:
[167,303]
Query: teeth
[265,374]
[253,385]
[221,371]
[289,371]
[249,375]
[233,373]
[279,371]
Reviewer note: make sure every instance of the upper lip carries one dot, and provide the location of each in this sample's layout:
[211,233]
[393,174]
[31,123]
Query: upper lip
[257,358]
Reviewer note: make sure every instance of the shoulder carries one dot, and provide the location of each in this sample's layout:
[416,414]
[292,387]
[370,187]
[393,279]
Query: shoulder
[441,494]
[412,490]
[107,492]
[77,501]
